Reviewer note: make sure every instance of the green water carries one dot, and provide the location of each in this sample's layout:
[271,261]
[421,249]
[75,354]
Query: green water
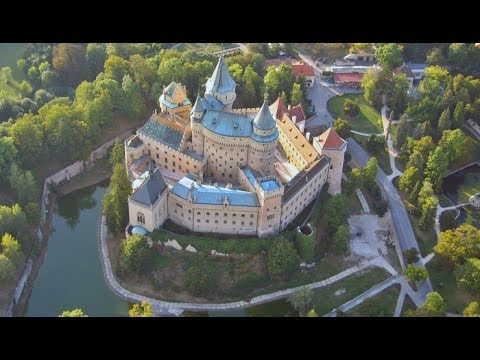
[71,275]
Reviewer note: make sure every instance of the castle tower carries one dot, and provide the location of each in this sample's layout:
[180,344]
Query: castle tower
[221,85]
[196,115]
[332,145]
[264,141]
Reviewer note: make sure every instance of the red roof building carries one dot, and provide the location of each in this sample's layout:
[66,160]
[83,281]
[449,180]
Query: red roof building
[330,140]
[299,68]
[347,79]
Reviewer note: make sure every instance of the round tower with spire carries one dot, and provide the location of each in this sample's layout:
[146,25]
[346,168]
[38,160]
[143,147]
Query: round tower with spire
[264,141]
[221,85]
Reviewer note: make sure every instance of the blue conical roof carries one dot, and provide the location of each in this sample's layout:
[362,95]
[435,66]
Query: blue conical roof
[264,119]
[198,106]
[221,81]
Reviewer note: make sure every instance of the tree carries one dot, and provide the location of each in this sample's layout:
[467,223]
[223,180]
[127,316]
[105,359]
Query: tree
[32,211]
[472,310]
[73,313]
[29,140]
[444,123]
[459,244]
[336,212]
[253,82]
[197,280]
[429,209]
[116,199]
[34,74]
[376,83]
[342,127]
[434,304]
[8,156]
[301,300]
[340,240]
[435,57]
[409,179]
[459,115]
[145,309]
[282,258]
[468,275]
[24,183]
[236,71]
[297,94]
[116,68]
[369,172]
[135,253]
[312,313]
[437,166]
[375,143]
[11,248]
[25,88]
[411,255]
[70,62]
[117,154]
[7,268]
[133,105]
[48,78]
[14,222]
[457,54]
[351,109]
[397,98]
[95,55]
[389,56]
[447,220]
[279,79]
[402,131]
[416,273]
[144,73]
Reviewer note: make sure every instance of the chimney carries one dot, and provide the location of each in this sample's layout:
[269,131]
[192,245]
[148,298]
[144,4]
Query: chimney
[289,107]
[229,186]
[307,135]
[294,119]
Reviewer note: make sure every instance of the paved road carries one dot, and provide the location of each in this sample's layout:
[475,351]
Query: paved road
[401,222]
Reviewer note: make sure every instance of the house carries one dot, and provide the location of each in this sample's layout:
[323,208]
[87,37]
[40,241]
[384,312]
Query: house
[299,68]
[352,80]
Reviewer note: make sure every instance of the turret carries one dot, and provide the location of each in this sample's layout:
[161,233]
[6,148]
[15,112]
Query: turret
[221,85]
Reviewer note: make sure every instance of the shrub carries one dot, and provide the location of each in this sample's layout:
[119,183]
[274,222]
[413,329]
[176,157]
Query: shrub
[305,247]
[282,258]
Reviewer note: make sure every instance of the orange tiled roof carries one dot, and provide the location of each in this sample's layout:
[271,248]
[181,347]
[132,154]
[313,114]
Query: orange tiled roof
[298,112]
[296,137]
[347,77]
[301,68]
[330,139]
[278,108]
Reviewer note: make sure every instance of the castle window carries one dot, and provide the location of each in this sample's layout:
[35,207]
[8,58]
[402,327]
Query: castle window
[243,223]
[243,215]
[198,220]
[216,214]
[234,222]
[207,221]
[224,214]
[166,160]
[224,221]
[216,221]
[251,215]
[173,163]
[198,212]
[251,223]
[158,156]
[208,214]
[234,215]
[140,218]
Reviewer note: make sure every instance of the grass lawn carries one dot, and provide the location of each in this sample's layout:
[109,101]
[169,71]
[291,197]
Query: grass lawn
[381,305]
[469,187]
[408,304]
[369,119]
[354,205]
[207,47]
[325,299]
[382,156]
[443,281]
[9,54]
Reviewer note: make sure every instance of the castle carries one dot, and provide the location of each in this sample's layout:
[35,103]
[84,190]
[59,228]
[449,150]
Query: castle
[212,168]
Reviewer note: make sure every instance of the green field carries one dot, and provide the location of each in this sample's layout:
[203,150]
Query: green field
[382,156]
[325,299]
[382,304]
[9,54]
[207,47]
[369,119]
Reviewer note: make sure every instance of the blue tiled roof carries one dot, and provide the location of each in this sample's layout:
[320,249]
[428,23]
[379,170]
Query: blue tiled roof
[151,189]
[228,124]
[210,103]
[220,81]
[212,195]
[171,105]
[198,107]
[269,185]
[264,119]
[162,133]
[170,89]
[417,66]
[249,173]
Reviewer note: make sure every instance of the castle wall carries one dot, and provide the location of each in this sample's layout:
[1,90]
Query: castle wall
[213,218]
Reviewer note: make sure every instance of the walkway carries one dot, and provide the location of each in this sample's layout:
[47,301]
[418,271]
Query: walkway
[364,134]
[164,307]
[392,153]
[401,222]
[439,212]
[363,201]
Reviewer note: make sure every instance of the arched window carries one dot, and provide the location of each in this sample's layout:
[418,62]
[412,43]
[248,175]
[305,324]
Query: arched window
[141,218]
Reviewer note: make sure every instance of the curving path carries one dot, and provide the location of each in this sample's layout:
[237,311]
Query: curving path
[364,134]
[176,308]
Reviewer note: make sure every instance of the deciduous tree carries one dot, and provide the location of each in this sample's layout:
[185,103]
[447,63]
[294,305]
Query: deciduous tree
[460,244]
[145,309]
[416,273]
[468,275]
[135,253]
[302,300]
[282,258]
[73,313]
